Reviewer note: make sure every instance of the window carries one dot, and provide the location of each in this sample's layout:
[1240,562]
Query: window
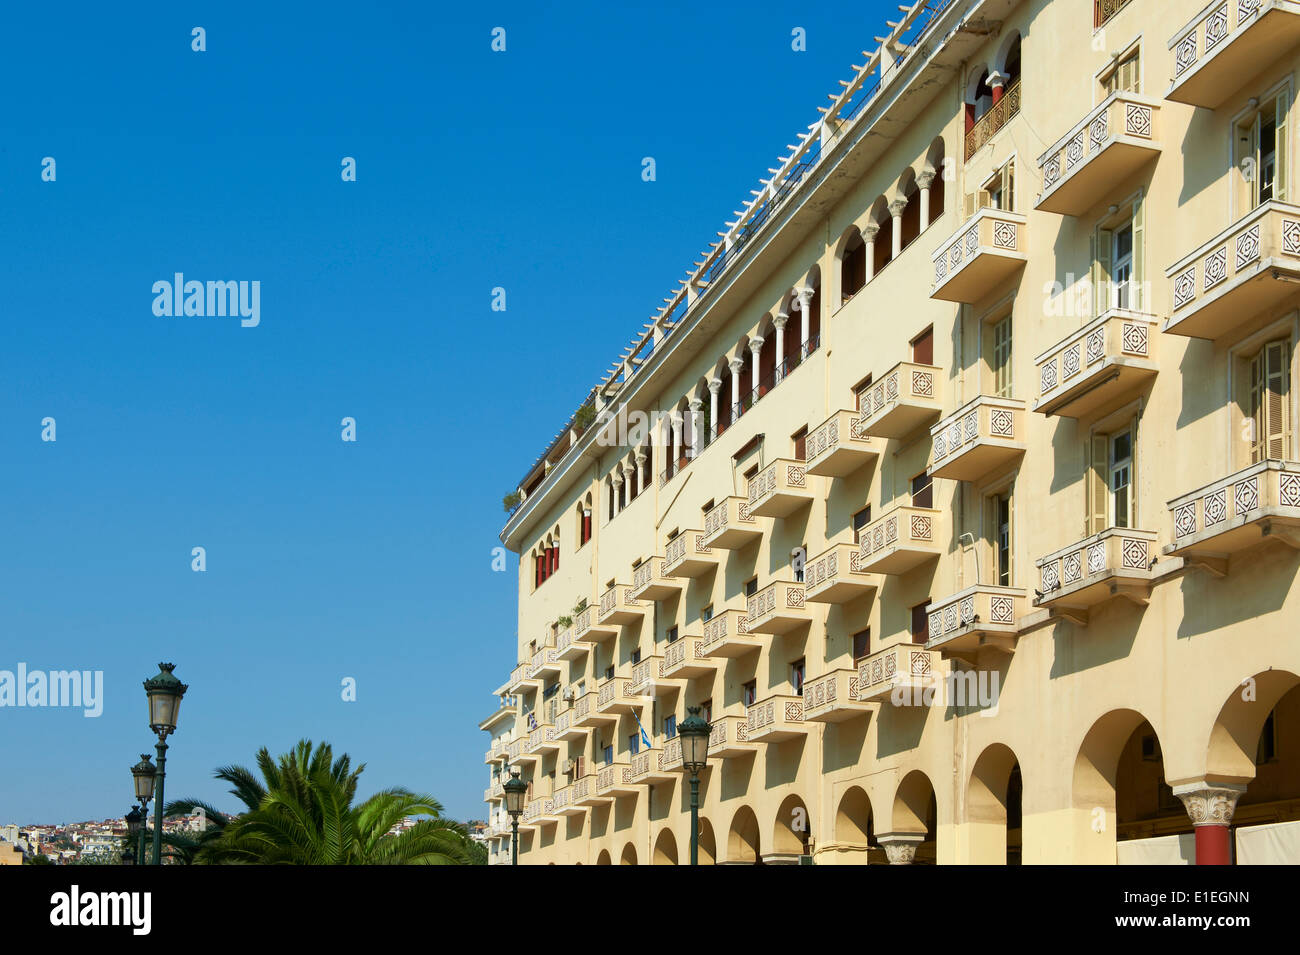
[1000,511]
[607,754]
[860,521]
[1259,150]
[706,614]
[1000,357]
[1112,500]
[799,557]
[636,657]
[861,646]
[997,192]
[797,676]
[1117,260]
[920,622]
[633,743]
[672,634]
[922,491]
[751,586]
[670,726]
[923,348]
[853,267]
[584,524]
[609,672]
[749,693]
[861,394]
[1126,76]
[706,710]
[800,439]
[1270,390]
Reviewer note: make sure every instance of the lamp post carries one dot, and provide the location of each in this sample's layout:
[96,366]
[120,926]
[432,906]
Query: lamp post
[694,732]
[164,692]
[515,789]
[144,773]
[133,826]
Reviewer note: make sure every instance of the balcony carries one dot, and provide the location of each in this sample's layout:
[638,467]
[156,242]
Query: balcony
[900,541]
[988,249]
[1237,512]
[497,753]
[779,489]
[975,618]
[839,446]
[905,666]
[567,726]
[565,804]
[567,648]
[520,681]
[616,695]
[545,662]
[671,762]
[1001,113]
[543,740]
[1243,271]
[727,634]
[778,608]
[980,437]
[686,659]
[650,581]
[909,396]
[585,792]
[588,630]
[615,779]
[516,749]
[586,712]
[1104,149]
[833,577]
[1228,44]
[730,525]
[1114,563]
[729,738]
[648,678]
[775,719]
[686,555]
[618,606]
[833,697]
[1098,367]
[648,768]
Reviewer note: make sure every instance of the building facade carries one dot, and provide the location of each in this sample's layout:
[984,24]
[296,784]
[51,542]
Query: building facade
[957,483]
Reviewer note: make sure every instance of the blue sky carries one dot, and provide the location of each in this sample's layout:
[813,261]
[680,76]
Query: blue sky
[327,559]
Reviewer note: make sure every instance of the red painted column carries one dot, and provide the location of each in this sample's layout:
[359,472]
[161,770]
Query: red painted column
[1210,807]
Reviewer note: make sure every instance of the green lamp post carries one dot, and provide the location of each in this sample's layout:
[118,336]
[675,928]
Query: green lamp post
[694,732]
[144,773]
[164,692]
[516,790]
[134,823]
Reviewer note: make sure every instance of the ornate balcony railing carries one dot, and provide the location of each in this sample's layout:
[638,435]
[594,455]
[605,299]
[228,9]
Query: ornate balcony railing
[1101,364]
[983,434]
[1001,113]
[833,696]
[1236,512]
[1108,145]
[1228,44]
[727,634]
[777,608]
[729,524]
[617,605]
[900,540]
[775,718]
[779,489]
[979,616]
[840,445]
[988,248]
[904,665]
[686,555]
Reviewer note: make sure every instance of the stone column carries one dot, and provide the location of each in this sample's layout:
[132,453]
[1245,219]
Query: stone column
[737,366]
[896,213]
[924,181]
[805,312]
[640,470]
[900,847]
[780,322]
[1210,806]
[715,385]
[677,439]
[869,233]
[756,346]
[997,83]
[697,425]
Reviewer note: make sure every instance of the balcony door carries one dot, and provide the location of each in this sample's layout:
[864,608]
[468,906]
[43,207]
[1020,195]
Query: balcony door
[1260,155]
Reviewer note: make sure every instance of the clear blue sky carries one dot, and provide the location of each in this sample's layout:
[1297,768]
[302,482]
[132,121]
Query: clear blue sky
[328,560]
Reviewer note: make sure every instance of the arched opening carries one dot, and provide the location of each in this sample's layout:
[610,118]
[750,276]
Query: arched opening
[814,280]
[665,852]
[855,826]
[629,855]
[724,399]
[1009,65]
[934,165]
[979,98]
[742,841]
[853,264]
[791,830]
[916,815]
[708,846]
[883,245]
[791,335]
[766,360]
[603,858]
[993,808]
[910,222]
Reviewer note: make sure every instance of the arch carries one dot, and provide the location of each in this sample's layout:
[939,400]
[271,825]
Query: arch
[742,840]
[993,811]
[882,247]
[851,253]
[853,819]
[1007,61]
[603,858]
[629,855]
[665,851]
[934,166]
[910,221]
[708,845]
[915,812]
[792,827]
[979,96]
[1233,745]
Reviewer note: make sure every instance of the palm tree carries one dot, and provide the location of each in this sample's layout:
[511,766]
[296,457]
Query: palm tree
[301,812]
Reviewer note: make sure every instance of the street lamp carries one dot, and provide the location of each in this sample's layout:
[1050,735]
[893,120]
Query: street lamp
[694,732]
[165,692]
[515,789]
[145,774]
[133,823]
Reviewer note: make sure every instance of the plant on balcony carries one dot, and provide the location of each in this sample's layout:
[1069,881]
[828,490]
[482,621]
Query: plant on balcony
[580,606]
[584,418]
[565,622]
[511,501]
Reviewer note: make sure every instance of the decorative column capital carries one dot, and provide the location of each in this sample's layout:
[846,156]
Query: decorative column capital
[896,207]
[616,476]
[697,404]
[1210,804]
[997,79]
[640,455]
[870,231]
[805,296]
[756,345]
[737,365]
[715,385]
[925,179]
[900,847]
[780,321]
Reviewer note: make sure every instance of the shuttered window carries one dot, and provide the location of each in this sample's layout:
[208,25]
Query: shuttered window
[1270,388]
[1001,359]
[1127,76]
[1111,480]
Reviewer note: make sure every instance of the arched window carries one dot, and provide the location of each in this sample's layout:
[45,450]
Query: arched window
[853,265]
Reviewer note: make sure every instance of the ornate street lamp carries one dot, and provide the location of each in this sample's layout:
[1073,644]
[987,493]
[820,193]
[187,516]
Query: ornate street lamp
[694,732]
[133,825]
[515,789]
[145,774]
[165,692]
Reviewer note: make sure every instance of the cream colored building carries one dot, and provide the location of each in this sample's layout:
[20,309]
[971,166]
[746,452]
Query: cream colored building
[958,482]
